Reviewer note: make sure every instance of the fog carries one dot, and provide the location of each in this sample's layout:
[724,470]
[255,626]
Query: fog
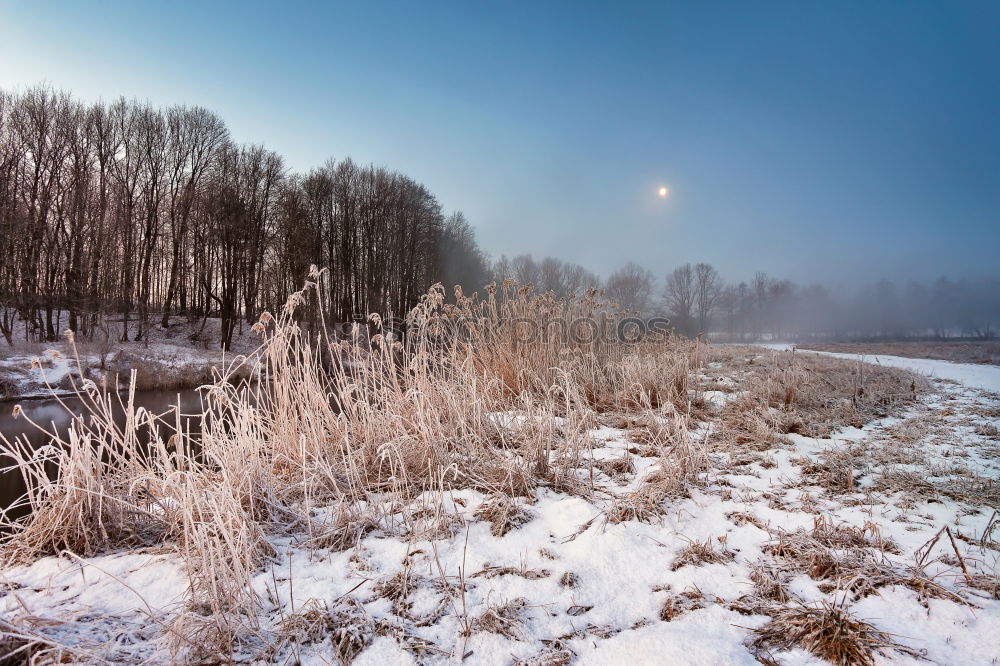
[763,307]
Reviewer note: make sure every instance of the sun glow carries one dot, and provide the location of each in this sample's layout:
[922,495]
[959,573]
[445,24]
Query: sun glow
[664,192]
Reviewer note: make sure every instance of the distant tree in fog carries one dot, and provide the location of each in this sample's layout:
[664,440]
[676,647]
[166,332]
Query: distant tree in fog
[551,277]
[978,308]
[760,286]
[779,308]
[631,287]
[525,270]
[816,315]
[707,287]
[728,303]
[577,279]
[563,278]
[679,294]
[462,262]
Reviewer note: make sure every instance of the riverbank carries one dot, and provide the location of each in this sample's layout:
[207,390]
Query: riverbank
[972,375]
[664,503]
[980,353]
[766,544]
[178,357]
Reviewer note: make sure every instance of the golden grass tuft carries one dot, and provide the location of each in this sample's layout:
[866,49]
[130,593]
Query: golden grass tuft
[503,513]
[548,657]
[702,552]
[829,631]
[506,619]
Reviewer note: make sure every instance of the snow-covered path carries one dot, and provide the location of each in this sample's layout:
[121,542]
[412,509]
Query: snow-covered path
[985,377]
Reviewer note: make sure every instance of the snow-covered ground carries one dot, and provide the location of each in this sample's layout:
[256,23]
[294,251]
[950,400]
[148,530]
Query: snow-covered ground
[168,355]
[569,586]
[973,375]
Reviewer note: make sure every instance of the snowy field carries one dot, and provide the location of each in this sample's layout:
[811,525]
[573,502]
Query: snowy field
[892,525]
[972,375]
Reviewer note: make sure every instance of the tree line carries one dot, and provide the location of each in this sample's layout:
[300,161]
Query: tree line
[144,214]
[126,210]
[699,301]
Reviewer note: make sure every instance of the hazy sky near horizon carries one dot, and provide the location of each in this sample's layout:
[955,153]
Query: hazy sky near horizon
[820,141]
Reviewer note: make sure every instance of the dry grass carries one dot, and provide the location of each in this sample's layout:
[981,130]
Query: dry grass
[788,392]
[23,641]
[397,589]
[988,430]
[506,619]
[960,352]
[370,427]
[676,605]
[492,571]
[842,536]
[344,531]
[959,485]
[702,552]
[989,583]
[681,465]
[355,424]
[846,559]
[345,623]
[108,490]
[770,583]
[616,467]
[547,657]
[835,468]
[569,579]
[503,513]
[828,631]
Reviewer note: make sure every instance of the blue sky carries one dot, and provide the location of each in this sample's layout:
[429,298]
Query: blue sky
[827,141]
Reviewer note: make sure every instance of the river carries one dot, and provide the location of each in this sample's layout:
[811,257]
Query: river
[55,416]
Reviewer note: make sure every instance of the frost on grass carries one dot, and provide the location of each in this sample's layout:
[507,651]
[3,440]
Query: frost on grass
[503,513]
[506,619]
[459,497]
[828,631]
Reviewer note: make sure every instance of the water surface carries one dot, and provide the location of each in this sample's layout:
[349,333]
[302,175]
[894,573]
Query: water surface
[54,415]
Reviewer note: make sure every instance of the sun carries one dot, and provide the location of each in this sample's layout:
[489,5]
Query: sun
[664,192]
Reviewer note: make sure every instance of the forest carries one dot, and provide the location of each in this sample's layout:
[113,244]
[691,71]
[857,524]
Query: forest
[127,210]
[122,210]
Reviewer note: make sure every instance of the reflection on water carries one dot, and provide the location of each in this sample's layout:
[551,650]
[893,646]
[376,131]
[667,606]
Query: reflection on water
[54,416]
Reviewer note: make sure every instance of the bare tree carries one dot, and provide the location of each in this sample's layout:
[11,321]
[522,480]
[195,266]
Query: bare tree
[760,287]
[194,135]
[631,287]
[679,292]
[525,270]
[462,262]
[577,279]
[552,277]
[565,279]
[728,303]
[707,287]
[125,209]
